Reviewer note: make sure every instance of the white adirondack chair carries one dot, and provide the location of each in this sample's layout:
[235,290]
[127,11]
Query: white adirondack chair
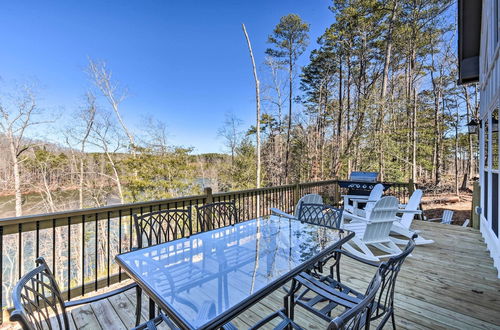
[309,198]
[446,219]
[374,231]
[403,225]
[370,200]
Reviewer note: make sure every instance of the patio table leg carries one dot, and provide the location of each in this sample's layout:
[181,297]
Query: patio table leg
[151,309]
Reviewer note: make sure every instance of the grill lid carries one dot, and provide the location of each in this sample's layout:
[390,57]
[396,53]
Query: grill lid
[364,176]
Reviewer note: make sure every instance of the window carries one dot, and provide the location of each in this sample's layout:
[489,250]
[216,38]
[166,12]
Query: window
[494,139]
[496,23]
[486,139]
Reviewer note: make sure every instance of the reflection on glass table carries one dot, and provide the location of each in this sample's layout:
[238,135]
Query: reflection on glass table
[205,280]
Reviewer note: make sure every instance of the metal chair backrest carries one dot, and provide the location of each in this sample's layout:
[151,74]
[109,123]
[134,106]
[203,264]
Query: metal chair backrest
[309,198]
[385,298]
[358,317]
[412,205]
[381,219]
[447,217]
[216,215]
[162,226]
[320,214]
[375,195]
[38,302]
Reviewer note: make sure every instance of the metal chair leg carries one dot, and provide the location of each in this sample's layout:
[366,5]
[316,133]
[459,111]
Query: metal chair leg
[138,306]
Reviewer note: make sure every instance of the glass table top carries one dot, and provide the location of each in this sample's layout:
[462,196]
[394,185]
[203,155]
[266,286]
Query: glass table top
[203,276]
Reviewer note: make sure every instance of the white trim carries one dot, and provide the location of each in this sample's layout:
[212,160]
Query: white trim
[489,68]
[492,243]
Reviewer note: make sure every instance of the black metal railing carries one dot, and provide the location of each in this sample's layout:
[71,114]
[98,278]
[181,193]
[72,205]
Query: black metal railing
[80,246]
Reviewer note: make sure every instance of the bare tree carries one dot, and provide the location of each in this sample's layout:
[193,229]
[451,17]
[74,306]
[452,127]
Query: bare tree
[231,132]
[106,137]
[88,117]
[273,96]
[15,120]
[102,78]
[257,101]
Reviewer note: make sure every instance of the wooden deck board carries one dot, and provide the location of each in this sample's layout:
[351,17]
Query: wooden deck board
[450,284]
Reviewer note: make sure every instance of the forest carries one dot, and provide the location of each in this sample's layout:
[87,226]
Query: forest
[378,93]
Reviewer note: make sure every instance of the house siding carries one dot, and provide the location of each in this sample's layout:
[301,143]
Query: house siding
[489,82]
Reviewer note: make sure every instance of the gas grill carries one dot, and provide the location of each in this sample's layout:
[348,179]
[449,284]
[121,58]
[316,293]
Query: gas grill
[361,183]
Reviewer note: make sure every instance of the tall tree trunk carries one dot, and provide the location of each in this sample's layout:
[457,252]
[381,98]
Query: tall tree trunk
[470,158]
[290,96]
[414,136]
[385,77]
[456,151]
[257,101]
[17,175]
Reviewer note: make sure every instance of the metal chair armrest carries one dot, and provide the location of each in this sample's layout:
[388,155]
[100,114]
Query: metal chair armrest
[100,297]
[280,213]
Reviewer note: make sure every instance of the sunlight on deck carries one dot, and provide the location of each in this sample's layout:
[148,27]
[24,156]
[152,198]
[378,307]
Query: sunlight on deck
[448,284]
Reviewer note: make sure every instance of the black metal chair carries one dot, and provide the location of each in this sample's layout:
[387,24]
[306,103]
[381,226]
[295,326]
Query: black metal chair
[162,226]
[320,214]
[216,215]
[159,227]
[357,316]
[39,304]
[330,288]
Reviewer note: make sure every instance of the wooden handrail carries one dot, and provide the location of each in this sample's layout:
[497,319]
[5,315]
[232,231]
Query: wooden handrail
[44,229]
[136,205]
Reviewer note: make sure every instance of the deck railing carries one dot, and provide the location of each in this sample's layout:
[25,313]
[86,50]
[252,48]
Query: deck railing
[81,245]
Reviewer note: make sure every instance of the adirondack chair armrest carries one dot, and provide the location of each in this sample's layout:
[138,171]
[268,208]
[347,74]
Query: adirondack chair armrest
[280,213]
[355,197]
[364,200]
[352,256]
[410,211]
[353,216]
[435,219]
[101,296]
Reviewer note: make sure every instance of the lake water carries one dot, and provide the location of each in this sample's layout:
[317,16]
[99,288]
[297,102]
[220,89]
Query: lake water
[65,200]
[35,204]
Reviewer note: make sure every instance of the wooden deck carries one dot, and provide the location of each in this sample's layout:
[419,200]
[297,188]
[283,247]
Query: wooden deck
[450,284]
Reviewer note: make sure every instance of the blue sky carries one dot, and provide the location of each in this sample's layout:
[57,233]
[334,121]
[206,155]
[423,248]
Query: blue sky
[183,62]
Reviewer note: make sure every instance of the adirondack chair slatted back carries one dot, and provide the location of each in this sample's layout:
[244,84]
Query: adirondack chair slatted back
[309,198]
[375,196]
[162,226]
[381,218]
[320,214]
[447,217]
[413,205]
[38,300]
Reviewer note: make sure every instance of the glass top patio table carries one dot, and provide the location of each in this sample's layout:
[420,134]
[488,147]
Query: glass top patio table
[205,280]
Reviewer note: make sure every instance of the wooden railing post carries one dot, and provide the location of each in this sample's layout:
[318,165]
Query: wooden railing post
[296,195]
[411,187]
[208,192]
[336,193]
[209,200]
[476,197]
